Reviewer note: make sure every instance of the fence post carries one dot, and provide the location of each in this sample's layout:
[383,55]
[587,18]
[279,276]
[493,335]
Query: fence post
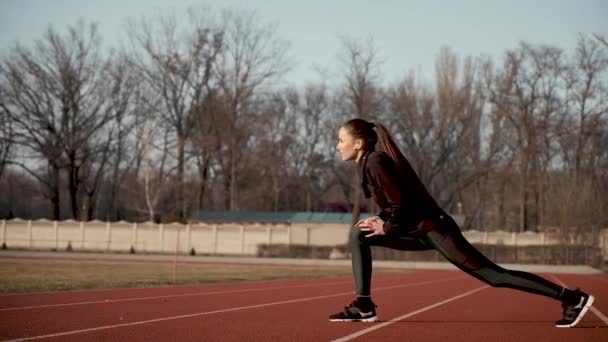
[29,233]
[214,239]
[543,238]
[161,234]
[242,231]
[4,231]
[134,235]
[289,234]
[604,247]
[108,235]
[188,237]
[269,235]
[81,234]
[307,236]
[176,251]
[56,232]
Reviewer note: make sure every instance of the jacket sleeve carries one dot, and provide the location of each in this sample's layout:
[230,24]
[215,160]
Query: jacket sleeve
[384,215]
[384,176]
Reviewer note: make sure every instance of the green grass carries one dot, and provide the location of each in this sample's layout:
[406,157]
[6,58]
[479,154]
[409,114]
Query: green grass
[27,275]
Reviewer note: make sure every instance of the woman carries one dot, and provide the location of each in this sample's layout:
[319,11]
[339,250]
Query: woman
[410,219]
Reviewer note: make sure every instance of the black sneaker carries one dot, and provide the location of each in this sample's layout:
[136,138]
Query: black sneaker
[357,311]
[574,311]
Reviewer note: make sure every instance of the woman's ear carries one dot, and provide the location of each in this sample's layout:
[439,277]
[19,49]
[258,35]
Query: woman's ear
[359,144]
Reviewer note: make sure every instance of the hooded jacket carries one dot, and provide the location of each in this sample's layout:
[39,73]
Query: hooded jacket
[405,202]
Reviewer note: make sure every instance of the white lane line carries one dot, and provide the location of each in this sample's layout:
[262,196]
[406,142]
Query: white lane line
[400,318]
[107,301]
[597,312]
[556,279]
[599,315]
[105,327]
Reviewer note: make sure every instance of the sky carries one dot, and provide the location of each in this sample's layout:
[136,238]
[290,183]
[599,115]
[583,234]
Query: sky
[408,34]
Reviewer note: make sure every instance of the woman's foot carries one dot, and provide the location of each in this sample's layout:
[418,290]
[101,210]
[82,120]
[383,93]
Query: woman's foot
[360,310]
[575,309]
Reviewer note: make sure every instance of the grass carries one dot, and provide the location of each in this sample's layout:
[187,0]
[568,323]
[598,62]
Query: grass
[28,275]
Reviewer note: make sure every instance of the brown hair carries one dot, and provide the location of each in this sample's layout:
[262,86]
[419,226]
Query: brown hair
[362,129]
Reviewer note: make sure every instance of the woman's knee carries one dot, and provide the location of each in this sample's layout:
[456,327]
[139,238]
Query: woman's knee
[493,277]
[356,235]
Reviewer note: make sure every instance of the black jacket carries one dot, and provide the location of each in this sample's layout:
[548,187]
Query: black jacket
[404,200]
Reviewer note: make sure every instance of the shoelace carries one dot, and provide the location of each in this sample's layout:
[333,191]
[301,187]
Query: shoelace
[354,305]
[569,311]
[346,311]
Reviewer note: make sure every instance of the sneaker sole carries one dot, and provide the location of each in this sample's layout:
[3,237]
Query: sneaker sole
[369,319]
[580,316]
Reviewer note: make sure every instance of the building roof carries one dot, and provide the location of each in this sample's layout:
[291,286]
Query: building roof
[275,217]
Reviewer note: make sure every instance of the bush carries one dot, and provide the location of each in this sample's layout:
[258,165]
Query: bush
[132,250]
[69,248]
[192,251]
[551,255]
[297,251]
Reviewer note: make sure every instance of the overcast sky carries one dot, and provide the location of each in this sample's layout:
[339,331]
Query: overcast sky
[408,34]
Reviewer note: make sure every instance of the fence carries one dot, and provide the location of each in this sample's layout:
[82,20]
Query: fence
[225,238]
[141,237]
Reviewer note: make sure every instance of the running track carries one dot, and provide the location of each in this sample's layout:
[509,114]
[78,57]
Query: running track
[429,305]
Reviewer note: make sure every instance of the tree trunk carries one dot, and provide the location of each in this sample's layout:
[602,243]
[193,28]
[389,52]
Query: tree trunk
[500,203]
[54,192]
[181,203]
[73,185]
[523,205]
[232,181]
[204,173]
[91,208]
[308,200]
[228,182]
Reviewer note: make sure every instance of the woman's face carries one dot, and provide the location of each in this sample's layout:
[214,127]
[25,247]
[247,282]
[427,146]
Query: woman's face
[349,147]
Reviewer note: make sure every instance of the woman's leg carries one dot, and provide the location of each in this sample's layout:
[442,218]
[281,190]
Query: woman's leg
[362,255]
[449,241]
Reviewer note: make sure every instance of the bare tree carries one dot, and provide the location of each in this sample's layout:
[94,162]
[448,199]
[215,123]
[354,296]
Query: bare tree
[53,97]
[178,68]
[580,136]
[253,56]
[315,147]
[441,130]
[83,94]
[529,86]
[206,141]
[6,133]
[360,58]
[29,106]
[129,106]
[275,138]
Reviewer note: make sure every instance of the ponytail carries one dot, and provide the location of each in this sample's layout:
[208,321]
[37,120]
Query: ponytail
[376,134]
[387,145]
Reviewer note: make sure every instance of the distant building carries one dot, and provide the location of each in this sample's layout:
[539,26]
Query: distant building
[283,217]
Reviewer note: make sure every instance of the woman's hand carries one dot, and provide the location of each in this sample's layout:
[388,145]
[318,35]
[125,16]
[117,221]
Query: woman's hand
[375,225]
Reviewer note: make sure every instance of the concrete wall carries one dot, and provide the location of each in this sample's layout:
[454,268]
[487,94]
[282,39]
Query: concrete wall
[210,238]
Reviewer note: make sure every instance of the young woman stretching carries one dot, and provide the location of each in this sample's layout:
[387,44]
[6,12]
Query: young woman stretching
[410,219]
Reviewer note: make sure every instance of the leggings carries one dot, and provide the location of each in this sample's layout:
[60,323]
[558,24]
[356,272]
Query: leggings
[446,238]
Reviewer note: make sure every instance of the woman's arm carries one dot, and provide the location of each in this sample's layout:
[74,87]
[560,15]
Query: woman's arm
[384,175]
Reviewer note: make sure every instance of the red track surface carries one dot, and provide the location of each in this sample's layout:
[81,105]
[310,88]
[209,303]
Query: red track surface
[417,306]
